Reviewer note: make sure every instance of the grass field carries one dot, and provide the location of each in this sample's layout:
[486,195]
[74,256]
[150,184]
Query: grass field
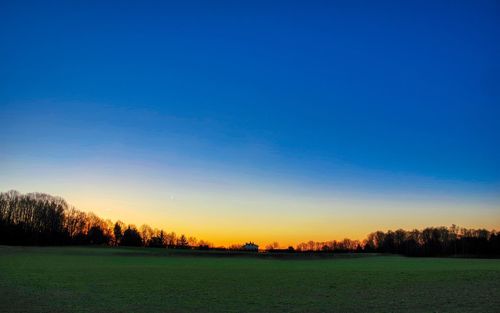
[152,280]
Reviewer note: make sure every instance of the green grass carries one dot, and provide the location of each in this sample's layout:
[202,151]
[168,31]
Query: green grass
[109,280]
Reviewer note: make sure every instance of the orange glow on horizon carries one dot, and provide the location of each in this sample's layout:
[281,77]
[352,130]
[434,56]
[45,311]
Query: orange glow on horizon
[233,213]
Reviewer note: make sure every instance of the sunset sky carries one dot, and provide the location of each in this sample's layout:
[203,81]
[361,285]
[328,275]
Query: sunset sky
[266,122]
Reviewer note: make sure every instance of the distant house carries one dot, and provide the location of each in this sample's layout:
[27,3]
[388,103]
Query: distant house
[250,246]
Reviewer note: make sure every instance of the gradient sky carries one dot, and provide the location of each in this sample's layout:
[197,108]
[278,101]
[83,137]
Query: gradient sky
[256,121]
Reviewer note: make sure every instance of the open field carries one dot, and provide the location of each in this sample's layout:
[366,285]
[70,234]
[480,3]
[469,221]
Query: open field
[69,279]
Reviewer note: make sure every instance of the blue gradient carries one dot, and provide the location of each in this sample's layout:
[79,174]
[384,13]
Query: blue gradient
[365,96]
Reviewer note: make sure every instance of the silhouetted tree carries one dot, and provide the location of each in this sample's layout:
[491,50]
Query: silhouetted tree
[117,232]
[273,246]
[157,240]
[204,245]
[131,237]
[170,239]
[182,242]
[97,236]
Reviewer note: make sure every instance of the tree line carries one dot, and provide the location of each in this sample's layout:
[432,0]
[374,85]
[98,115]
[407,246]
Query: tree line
[431,241]
[42,219]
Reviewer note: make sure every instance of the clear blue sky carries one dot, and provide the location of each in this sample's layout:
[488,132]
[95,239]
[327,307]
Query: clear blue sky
[355,97]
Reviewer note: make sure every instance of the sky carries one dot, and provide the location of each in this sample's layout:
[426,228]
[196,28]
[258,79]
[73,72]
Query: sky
[260,120]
